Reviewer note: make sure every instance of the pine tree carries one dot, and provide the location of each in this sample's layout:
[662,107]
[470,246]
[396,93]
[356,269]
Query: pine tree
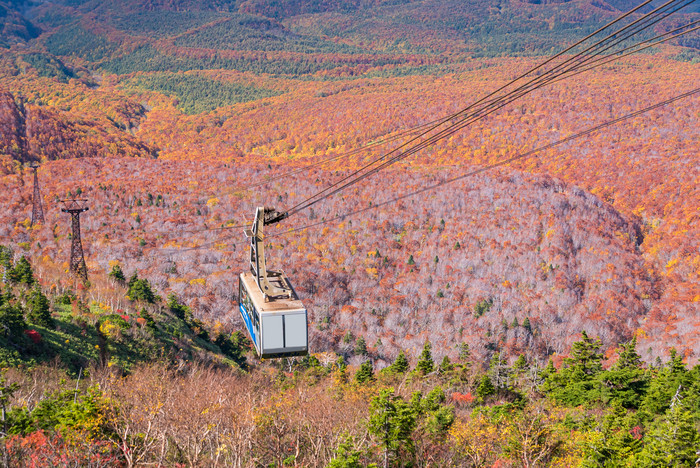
[346,456]
[485,387]
[347,338]
[446,365]
[361,347]
[673,442]
[150,323]
[22,272]
[586,359]
[663,387]
[400,365]
[132,280]
[618,439]
[520,363]
[464,352]
[392,422]
[425,363]
[365,373]
[140,290]
[117,274]
[578,380]
[626,381]
[12,322]
[39,312]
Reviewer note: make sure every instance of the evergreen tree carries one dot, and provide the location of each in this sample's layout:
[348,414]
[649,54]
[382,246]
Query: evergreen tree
[232,346]
[446,365]
[464,352]
[616,442]
[549,370]
[520,363]
[578,380]
[361,347]
[392,422]
[673,442]
[347,338]
[664,386]
[180,311]
[485,387]
[425,363]
[117,274]
[432,416]
[6,256]
[586,359]
[400,365]
[150,323]
[132,280]
[22,272]
[140,290]
[12,322]
[365,373]
[626,381]
[38,309]
[346,456]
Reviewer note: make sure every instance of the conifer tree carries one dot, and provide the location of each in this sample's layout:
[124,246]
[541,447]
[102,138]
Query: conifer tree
[664,386]
[617,440]
[117,274]
[346,456]
[464,352]
[400,365]
[38,309]
[485,387]
[577,382]
[446,365]
[673,442]
[520,363]
[626,381]
[361,347]
[425,363]
[392,422]
[365,373]
[12,322]
[150,323]
[140,290]
[22,272]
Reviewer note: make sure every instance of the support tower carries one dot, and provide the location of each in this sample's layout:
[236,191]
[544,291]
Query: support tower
[37,208]
[77,259]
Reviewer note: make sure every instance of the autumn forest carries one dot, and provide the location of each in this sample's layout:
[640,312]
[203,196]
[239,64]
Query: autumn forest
[542,312]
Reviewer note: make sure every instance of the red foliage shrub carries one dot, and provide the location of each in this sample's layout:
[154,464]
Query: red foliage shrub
[462,398]
[33,335]
[38,450]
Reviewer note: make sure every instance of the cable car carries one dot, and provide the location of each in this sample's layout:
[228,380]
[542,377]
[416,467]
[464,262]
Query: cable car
[274,317]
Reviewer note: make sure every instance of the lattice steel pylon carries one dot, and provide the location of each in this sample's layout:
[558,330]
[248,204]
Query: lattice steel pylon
[77,259]
[37,208]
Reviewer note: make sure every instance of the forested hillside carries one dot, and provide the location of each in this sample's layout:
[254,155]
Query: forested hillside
[558,294]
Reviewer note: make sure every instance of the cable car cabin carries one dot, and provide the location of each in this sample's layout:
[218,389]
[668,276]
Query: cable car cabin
[277,328]
[274,316]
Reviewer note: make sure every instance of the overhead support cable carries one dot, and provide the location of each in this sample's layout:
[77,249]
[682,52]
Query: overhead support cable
[490,106]
[451,180]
